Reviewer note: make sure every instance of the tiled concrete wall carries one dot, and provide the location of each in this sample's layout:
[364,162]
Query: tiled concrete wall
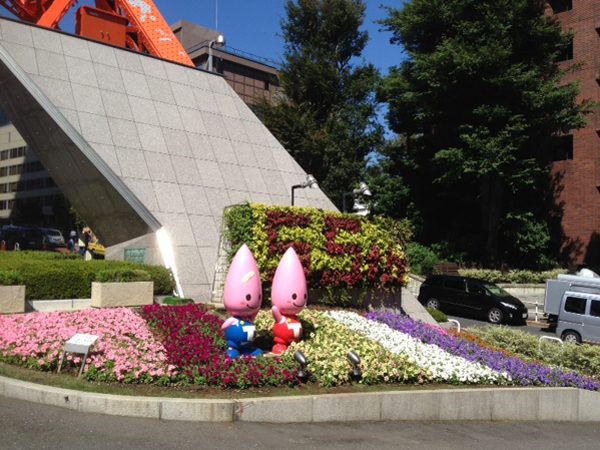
[179,138]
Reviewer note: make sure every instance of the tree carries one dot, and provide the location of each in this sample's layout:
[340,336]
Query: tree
[481,91]
[325,114]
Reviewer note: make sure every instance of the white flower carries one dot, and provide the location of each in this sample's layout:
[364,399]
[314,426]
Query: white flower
[443,366]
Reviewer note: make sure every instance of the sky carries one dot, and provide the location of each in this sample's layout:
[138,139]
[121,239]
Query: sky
[253,25]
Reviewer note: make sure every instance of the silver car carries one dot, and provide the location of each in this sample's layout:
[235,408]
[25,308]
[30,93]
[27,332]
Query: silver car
[579,317]
[53,237]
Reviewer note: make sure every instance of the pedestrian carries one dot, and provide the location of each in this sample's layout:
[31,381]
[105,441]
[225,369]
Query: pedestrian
[71,245]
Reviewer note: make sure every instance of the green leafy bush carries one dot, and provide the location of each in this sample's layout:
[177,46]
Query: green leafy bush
[50,275]
[122,275]
[421,258]
[437,315]
[11,278]
[584,359]
[512,276]
[176,301]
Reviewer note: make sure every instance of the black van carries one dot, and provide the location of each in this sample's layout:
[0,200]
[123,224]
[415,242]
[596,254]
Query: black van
[471,296]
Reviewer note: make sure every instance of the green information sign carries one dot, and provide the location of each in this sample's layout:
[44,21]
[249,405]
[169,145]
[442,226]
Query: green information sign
[137,255]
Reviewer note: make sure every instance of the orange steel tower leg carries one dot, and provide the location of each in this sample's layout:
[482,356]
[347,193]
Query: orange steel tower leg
[153,32]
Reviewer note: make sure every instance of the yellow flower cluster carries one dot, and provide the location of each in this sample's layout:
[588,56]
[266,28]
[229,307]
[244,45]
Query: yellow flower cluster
[326,344]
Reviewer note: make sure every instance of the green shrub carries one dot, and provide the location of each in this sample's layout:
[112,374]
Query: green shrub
[438,315]
[51,276]
[176,301]
[513,276]
[11,278]
[421,258]
[122,275]
[584,359]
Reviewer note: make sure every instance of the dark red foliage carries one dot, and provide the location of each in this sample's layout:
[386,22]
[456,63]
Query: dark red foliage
[196,345]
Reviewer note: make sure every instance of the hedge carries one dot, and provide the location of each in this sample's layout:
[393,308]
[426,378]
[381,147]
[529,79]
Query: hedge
[512,276]
[48,275]
[336,250]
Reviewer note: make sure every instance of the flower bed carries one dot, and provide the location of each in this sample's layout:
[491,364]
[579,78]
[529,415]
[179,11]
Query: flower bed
[337,251]
[126,350]
[196,345]
[327,343]
[443,366]
[191,349]
[520,372]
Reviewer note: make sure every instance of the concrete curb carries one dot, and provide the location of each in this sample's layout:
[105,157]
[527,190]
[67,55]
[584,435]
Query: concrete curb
[518,404]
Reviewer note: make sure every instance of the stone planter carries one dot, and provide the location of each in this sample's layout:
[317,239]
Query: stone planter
[12,299]
[113,295]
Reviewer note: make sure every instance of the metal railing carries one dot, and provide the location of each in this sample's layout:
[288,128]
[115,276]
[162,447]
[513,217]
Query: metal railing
[236,52]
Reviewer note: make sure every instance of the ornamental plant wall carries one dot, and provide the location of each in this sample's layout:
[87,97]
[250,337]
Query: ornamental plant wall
[339,252]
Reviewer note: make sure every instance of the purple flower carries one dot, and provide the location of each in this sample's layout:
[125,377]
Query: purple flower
[521,372]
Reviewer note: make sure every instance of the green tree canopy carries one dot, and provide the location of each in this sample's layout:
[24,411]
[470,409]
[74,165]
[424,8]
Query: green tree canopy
[325,114]
[481,93]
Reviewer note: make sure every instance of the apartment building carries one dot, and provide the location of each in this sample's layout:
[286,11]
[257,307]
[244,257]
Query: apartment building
[576,166]
[27,193]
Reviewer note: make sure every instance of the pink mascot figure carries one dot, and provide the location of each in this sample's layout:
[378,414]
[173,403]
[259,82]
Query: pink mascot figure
[242,297]
[289,296]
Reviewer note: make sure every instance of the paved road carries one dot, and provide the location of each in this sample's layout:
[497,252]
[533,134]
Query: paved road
[25,426]
[532,328]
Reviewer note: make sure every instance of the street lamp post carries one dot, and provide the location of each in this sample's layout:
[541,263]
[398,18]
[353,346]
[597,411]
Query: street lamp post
[310,182]
[219,42]
[363,189]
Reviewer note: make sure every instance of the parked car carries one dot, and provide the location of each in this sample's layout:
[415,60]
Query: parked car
[31,238]
[54,238]
[473,297]
[579,317]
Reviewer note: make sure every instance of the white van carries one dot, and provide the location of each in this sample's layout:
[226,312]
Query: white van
[579,317]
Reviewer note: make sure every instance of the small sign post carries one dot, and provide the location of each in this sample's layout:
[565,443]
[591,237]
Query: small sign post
[80,343]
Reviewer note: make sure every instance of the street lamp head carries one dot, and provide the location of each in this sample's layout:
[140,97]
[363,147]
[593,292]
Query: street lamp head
[220,41]
[363,189]
[311,182]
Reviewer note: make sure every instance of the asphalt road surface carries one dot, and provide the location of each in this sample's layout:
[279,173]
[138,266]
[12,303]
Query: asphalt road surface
[25,426]
[529,327]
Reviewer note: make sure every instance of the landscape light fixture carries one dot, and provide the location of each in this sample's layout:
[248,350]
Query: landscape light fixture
[301,359]
[219,42]
[356,374]
[363,189]
[310,182]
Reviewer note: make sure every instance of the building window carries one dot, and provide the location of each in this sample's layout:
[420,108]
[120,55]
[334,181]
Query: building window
[16,170]
[4,154]
[559,6]
[17,152]
[563,148]
[567,54]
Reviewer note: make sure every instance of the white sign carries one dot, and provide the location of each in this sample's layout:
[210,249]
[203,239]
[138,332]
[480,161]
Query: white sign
[80,343]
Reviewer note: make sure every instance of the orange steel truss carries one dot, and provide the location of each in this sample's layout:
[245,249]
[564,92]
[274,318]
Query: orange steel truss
[147,30]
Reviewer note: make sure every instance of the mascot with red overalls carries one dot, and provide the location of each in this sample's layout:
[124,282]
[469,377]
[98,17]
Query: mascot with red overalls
[289,295]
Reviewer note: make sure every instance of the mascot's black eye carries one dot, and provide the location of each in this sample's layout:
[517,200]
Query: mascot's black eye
[248,297]
[305,296]
[294,296]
